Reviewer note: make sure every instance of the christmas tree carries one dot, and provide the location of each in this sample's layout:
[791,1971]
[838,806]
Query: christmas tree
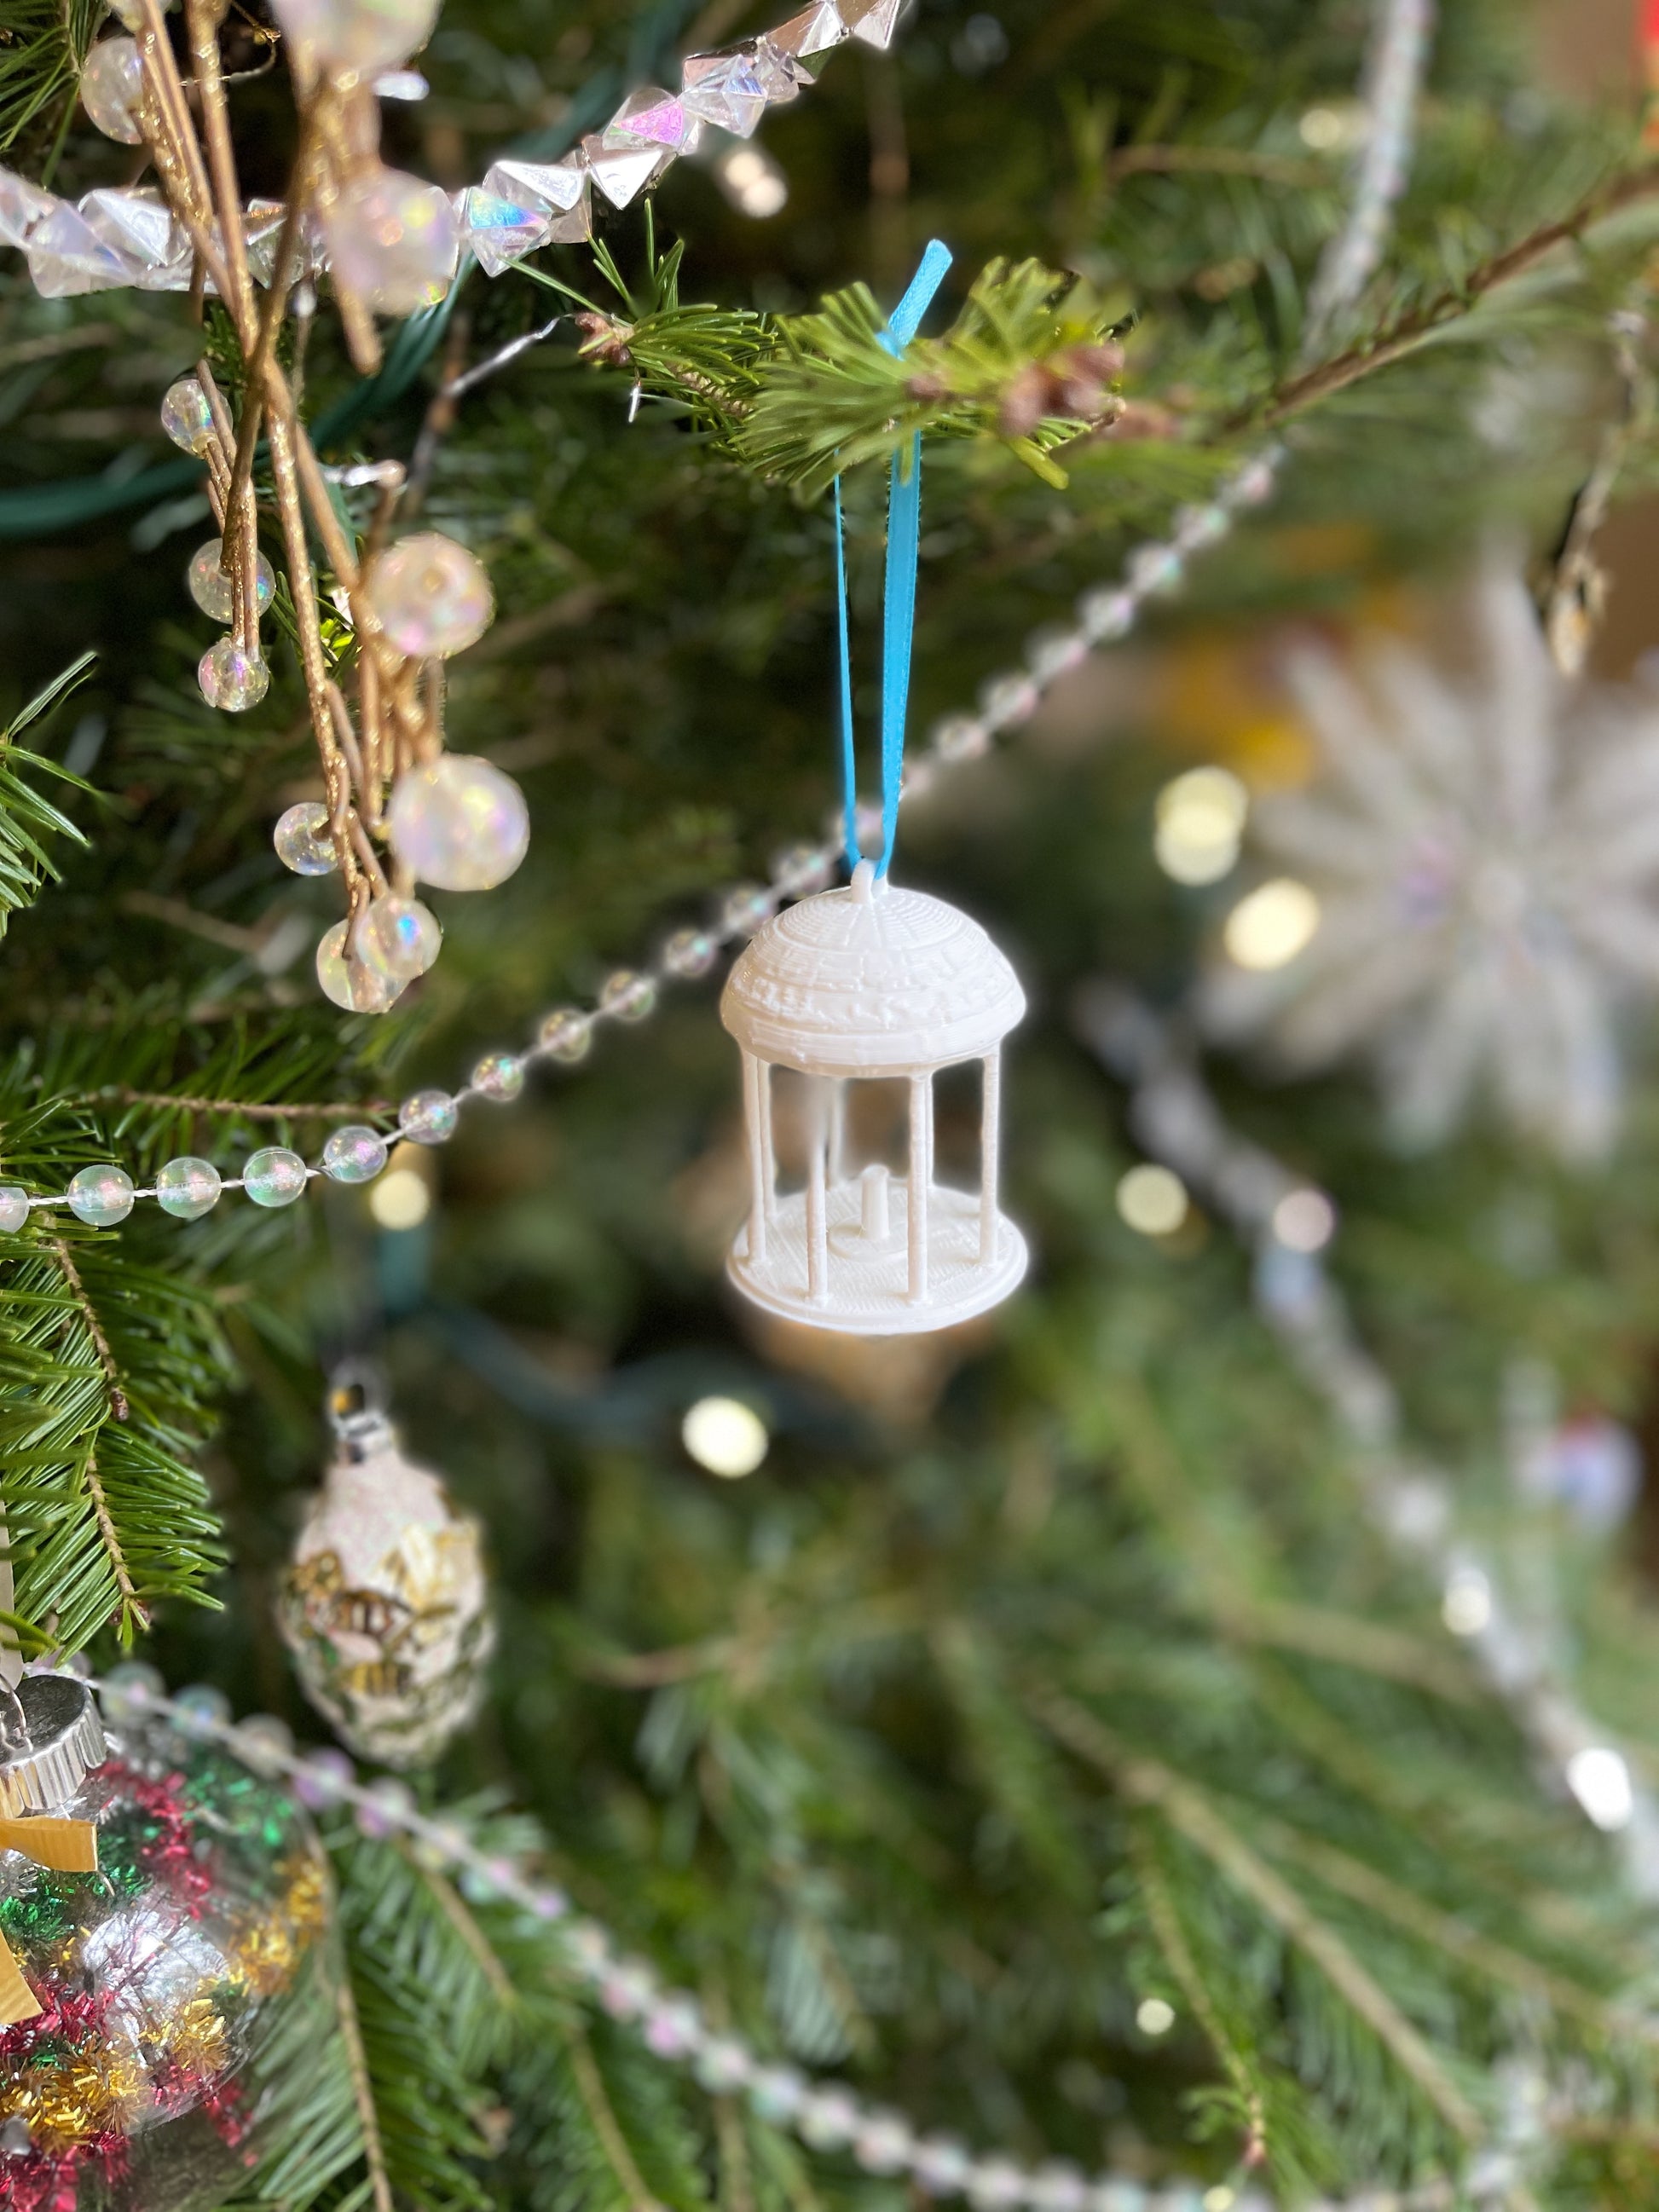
[1178,1739]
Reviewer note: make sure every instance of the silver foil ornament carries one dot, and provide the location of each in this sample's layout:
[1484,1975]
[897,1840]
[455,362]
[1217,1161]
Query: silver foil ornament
[384,1604]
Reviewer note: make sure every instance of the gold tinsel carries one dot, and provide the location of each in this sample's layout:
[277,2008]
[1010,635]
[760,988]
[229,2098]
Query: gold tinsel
[82,2093]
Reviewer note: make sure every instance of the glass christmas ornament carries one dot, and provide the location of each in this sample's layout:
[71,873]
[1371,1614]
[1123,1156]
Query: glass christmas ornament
[566,1034]
[384,1604]
[872,983]
[274,1176]
[185,415]
[499,1075]
[430,595]
[302,841]
[13,1207]
[459,824]
[100,1196]
[188,1187]
[213,591]
[363,36]
[393,241]
[167,1962]
[232,679]
[348,980]
[428,1117]
[355,1154]
[398,937]
[111,86]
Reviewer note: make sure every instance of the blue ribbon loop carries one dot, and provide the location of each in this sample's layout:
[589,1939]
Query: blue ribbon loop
[899,599]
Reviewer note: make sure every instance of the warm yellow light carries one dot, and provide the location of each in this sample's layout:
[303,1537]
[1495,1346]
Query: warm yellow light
[400,1199]
[1154,2017]
[1465,1601]
[1272,924]
[724,1436]
[1152,1200]
[753,181]
[1304,1220]
[1200,819]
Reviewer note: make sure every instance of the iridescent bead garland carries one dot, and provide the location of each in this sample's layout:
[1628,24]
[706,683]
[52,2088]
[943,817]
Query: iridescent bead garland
[826,2116]
[1173,1115]
[114,238]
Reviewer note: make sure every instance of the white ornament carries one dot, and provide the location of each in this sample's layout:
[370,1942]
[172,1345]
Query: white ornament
[871,984]
[1472,892]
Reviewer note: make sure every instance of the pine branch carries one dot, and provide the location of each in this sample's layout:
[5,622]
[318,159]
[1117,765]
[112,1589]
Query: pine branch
[44,45]
[29,821]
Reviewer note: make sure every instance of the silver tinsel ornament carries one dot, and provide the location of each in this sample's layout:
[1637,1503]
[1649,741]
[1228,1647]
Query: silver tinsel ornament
[384,1604]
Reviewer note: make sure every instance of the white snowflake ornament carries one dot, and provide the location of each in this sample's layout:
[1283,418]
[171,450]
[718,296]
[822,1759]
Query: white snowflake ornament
[1472,889]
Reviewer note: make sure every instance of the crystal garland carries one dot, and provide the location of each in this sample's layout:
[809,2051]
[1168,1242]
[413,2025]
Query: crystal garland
[826,2116]
[1289,1226]
[1105,614]
[114,238]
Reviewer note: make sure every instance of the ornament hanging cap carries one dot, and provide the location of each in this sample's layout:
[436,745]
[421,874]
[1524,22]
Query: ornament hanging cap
[356,1408]
[51,1739]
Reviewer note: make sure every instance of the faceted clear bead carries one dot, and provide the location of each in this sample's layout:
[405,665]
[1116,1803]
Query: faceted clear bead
[621,171]
[264,1743]
[384,1808]
[802,868]
[961,737]
[348,982]
[428,1117]
[1199,526]
[100,1196]
[111,86]
[458,822]
[940,2164]
[66,258]
[555,187]
[22,206]
[13,1207]
[779,74]
[995,2184]
[188,1187]
[232,679]
[354,1154]
[324,1778]
[366,36]
[649,116]
[302,841]
[136,222]
[499,232]
[430,595]
[689,952]
[185,415]
[1107,612]
[722,2065]
[814,31]
[744,908]
[829,2118]
[499,1075]
[393,241]
[567,1033]
[628,997]
[873,21]
[777,2093]
[1007,700]
[1154,568]
[883,2142]
[214,592]
[201,1709]
[1253,483]
[398,937]
[723,89]
[274,1176]
[1053,654]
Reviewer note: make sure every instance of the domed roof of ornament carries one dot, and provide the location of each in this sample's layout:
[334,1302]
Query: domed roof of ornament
[871,980]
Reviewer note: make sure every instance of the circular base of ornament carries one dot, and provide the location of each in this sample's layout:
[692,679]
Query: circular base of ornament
[868,1278]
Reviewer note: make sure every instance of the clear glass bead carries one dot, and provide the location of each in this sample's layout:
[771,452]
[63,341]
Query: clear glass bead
[723,2065]
[111,86]
[366,36]
[776,2094]
[1107,612]
[743,909]
[567,1033]
[398,937]
[1253,483]
[628,996]
[883,2142]
[802,868]
[689,952]
[100,1196]
[961,737]
[13,1207]
[671,2029]
[1155,568]
[131,1687]
[829,2118]
[393,240]
[430,595]
[323,1778]
[265,1742]
[625,1990]
[214,592]
[185,415]
[1006,701]
[940,2165]
[232,677]
[354,1154]
[458,822]
[274,1176]
[428,1117]
[994,2185]
[1053,654]
[499,1075]
[1198,526]
[348,982]
[188,1187]
[385,1808]
[200,1710]
[302,841]
[1057,2187]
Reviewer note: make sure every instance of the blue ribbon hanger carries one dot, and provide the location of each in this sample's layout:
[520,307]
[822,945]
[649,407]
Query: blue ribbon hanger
[899,597]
